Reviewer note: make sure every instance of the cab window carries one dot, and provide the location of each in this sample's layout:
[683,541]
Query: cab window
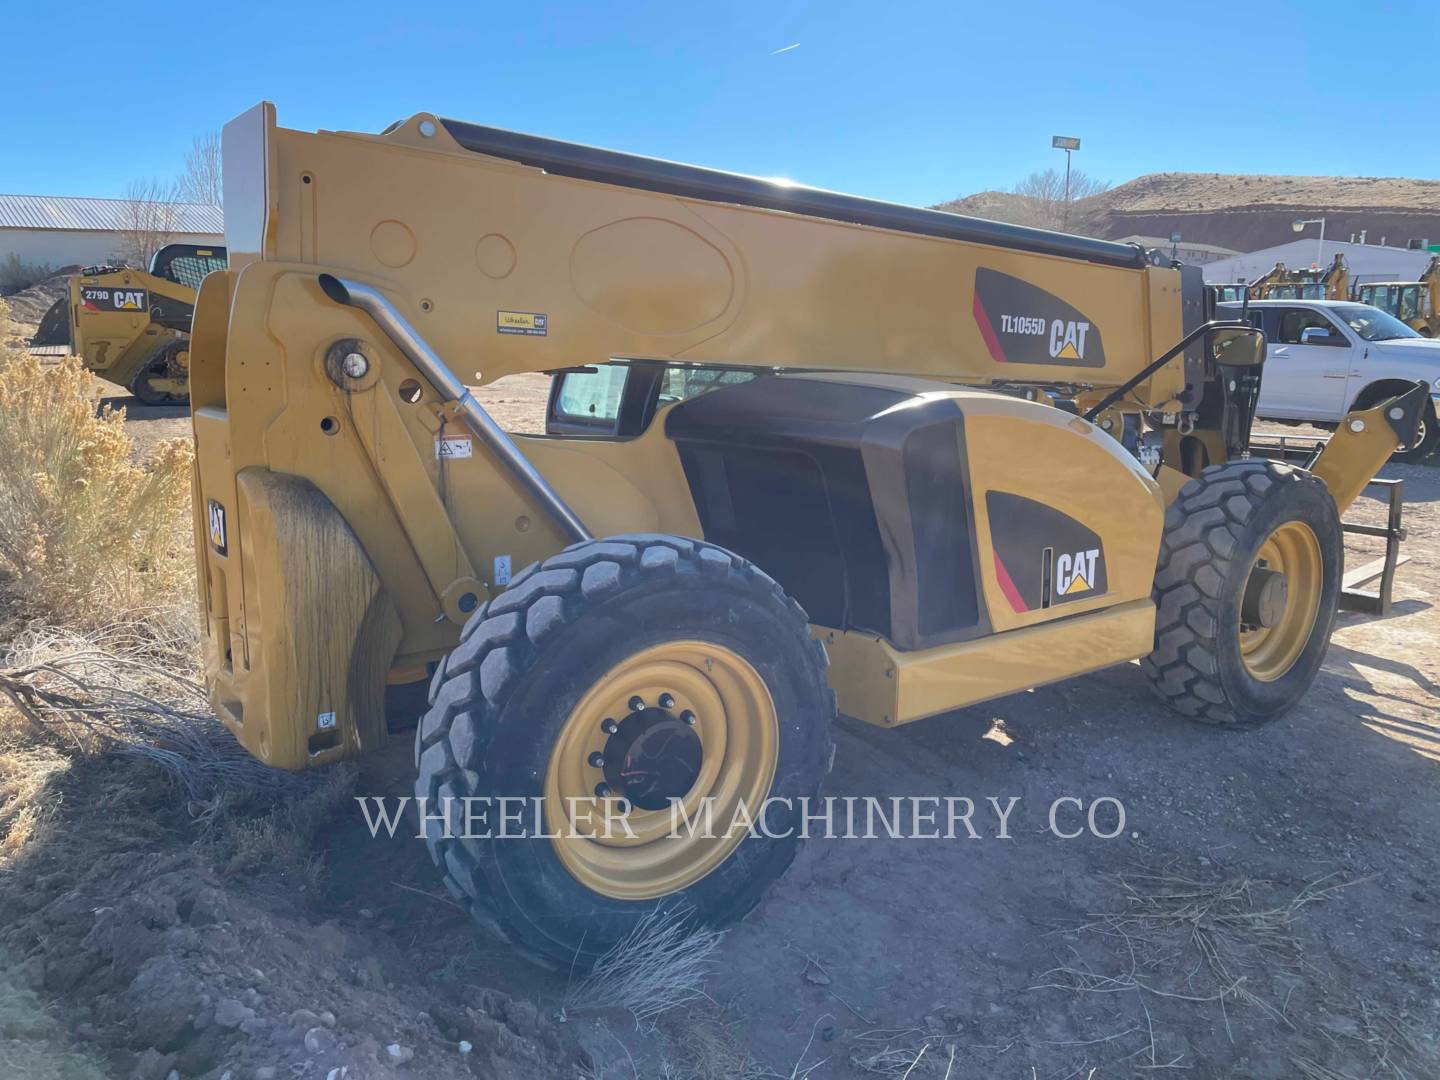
[1294,323]
[592,395]
[621,398]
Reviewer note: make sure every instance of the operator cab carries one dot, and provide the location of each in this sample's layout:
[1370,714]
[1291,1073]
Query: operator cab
[187,264]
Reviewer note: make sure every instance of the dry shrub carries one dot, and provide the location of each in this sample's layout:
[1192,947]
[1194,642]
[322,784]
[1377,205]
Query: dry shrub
[10,333]
[86,534]
[659,965]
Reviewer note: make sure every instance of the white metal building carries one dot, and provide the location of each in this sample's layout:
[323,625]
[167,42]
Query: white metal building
[57,231]
[1366,262]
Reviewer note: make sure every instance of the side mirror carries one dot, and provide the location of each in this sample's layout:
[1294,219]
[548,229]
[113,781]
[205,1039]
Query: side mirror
[1315,335]
[1237,346]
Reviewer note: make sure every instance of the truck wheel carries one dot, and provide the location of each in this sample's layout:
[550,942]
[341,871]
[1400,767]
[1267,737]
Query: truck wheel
[1426,435]
[1245,592]
[609,679]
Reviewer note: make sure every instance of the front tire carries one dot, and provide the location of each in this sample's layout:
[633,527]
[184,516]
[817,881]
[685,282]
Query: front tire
[1245,592]
[538,701]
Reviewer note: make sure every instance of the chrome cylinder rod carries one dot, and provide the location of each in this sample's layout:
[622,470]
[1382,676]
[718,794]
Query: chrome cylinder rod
[405,338]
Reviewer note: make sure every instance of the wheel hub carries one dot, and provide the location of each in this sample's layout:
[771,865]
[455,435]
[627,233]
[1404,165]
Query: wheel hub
[653,757]
[1265,595]
[686,720]
[1281,601]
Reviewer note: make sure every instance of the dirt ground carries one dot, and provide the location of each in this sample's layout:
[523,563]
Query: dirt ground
[1269,909]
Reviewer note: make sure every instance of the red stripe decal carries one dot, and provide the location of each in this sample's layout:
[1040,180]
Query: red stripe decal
[1007,586]
[987,331]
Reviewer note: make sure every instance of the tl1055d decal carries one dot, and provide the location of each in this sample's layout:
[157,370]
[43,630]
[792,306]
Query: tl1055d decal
[96,298]
[1024,324]
[1042,557]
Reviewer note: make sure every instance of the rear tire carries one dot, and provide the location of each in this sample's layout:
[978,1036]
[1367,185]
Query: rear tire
[1207,664]
[504,708]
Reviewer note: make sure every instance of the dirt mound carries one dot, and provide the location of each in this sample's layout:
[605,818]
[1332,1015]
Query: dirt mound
[28,306]
[160,959]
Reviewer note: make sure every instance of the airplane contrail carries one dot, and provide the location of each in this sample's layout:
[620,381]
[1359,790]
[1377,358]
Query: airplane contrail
[787,48]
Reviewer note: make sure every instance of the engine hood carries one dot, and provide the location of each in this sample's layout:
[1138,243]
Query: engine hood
[1419,349]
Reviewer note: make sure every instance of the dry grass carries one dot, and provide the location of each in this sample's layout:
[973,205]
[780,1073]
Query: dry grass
[282,839]
[112,693]
[1188,939]
[10,334]
[25,774]
[86,534]
[1231,943]
[660,965]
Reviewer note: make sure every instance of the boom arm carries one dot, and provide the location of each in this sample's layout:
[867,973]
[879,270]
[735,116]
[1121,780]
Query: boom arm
[518,254]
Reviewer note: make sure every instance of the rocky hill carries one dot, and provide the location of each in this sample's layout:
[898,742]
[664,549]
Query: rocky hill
[1245,212]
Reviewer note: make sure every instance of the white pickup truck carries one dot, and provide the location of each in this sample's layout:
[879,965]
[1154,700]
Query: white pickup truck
[1326,357]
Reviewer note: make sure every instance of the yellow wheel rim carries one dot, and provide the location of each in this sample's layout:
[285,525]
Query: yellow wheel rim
[707,735]
[1268,652]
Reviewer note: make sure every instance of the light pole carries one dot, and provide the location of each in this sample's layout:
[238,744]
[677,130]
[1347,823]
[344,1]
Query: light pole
[1066,143]
[1299,226]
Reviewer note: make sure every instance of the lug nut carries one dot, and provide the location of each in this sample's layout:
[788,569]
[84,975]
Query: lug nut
[602,791]
[687,717]
[596,760]
[667,701]
[637,703]
[608,726]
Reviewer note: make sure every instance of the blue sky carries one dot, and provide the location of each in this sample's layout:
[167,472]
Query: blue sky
[915,102]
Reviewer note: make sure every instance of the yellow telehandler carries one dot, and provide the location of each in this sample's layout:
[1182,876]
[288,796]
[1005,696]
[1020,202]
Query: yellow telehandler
[132,327]
[841,454]
[1415,303]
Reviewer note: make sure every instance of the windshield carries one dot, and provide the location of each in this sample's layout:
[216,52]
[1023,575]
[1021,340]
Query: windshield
[1371,323]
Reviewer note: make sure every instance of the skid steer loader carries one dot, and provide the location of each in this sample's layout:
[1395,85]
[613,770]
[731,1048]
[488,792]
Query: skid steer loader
[132,327]
[852,454]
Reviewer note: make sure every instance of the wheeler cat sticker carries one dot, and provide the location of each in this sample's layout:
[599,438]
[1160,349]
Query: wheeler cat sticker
[1023,324]
[96,298]
[1041,556]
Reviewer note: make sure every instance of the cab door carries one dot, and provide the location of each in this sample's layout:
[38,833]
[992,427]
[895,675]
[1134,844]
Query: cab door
[1307,366]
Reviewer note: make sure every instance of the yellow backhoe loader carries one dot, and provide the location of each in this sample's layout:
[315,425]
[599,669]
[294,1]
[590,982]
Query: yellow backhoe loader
[1415,303]
[840,454]
[1332,283]
[132,327]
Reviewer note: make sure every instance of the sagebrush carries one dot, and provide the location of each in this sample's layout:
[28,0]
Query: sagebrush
[87,533]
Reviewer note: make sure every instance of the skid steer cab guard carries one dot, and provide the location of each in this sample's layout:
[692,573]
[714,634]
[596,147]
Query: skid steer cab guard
[863,456]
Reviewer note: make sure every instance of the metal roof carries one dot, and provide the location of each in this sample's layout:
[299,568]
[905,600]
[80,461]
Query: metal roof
[103,215]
